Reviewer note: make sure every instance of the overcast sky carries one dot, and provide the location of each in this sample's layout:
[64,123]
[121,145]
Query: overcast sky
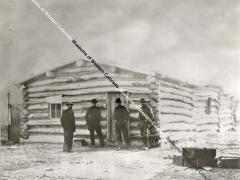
[191,40]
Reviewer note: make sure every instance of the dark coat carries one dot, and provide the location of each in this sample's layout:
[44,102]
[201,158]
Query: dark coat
[147,111]
[93,116]
[121,114]
[68,120]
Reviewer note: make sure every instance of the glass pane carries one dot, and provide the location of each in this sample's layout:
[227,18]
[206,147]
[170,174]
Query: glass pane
[52,110]
[58,110]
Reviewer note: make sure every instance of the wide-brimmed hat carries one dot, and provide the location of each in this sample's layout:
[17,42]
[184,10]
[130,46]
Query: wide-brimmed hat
[94,101]
[69,103]
[118,100]
[142,100]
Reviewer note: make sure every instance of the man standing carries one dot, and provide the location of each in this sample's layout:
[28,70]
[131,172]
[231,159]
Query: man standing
[93,118]
[68,124]
[121,116]
[144,123]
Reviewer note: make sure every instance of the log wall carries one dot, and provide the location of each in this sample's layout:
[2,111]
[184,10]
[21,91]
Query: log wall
[179,108]
[78,84]
[176,111]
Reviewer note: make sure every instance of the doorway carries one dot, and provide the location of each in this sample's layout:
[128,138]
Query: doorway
[111,98]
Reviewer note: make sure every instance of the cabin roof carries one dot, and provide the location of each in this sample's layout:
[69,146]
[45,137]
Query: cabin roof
[117,65]
[107,63]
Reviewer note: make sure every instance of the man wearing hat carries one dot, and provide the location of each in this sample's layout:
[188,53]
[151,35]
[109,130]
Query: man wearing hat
[121,116]
[93,118]
[144,123]
[68,124]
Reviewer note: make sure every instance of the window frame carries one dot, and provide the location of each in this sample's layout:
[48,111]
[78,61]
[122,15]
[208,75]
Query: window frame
[55,108]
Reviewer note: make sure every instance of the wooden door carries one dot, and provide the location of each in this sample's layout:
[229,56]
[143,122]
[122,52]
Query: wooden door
[111,98]
[14,128]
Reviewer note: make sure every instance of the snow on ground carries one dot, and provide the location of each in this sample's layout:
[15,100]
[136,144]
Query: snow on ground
[47,161]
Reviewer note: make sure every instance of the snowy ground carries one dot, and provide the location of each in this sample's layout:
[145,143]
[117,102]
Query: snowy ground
[47,161]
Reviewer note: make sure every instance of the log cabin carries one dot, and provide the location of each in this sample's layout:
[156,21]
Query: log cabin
[184,111]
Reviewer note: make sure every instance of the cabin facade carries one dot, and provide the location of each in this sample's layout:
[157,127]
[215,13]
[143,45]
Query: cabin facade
[181,109]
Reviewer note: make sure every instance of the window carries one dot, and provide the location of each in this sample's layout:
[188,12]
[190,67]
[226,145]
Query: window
[55,110]
[208,106]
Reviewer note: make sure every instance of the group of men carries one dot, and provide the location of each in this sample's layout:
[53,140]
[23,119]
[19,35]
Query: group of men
[93,119]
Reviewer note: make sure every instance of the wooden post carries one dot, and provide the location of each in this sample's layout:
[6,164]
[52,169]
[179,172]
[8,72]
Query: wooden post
[9,105]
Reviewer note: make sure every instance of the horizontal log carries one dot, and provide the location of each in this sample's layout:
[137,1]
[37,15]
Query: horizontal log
[206,120]
[176,114]
[208,127]
[88,84]
[137,100]
[176,131]
[175,110]
[172,103]
[44,108]
[83,70]
[203,107]
[94,75]
[38,111]
[207,124]
[163,122]
[49,81]
[38,115]
[173,117]
[200,91]
[166,95]
[223,116]
[175,92]
[46,131]
[176,86]
[202,112]
[85,97]
[57,123]
[77,114]
[34,100]
[89,91]
[204,103]
[139,96]
[91,69]
[180,124]
[38,106]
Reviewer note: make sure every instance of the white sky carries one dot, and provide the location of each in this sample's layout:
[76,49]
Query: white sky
[192,40]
